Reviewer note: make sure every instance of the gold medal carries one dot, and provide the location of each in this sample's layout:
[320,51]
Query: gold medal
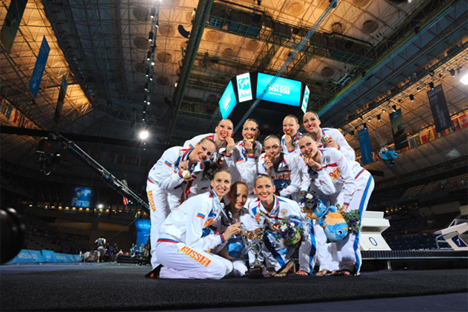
[307,155]
[324,140]
[186,175]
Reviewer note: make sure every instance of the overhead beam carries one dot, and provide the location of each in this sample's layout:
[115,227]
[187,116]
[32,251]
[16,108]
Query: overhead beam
[203,10]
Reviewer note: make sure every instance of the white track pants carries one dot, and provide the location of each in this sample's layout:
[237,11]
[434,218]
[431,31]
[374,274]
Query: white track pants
[347,255]
[159,206]
[182,262]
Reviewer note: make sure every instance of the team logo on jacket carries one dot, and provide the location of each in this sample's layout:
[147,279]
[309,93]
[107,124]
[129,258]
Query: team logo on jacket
[327,160]
[335,174]
[284,211]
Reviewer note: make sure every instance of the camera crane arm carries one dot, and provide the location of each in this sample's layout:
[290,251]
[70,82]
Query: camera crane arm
[119,186]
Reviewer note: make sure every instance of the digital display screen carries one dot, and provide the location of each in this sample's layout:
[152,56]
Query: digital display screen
[283,91]
[305,101]
[244,87]
[228,101]
[81,197]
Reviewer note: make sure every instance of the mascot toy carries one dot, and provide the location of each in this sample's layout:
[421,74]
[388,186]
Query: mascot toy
[334,225]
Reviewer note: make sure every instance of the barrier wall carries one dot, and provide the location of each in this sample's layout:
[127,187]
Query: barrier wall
[48,256]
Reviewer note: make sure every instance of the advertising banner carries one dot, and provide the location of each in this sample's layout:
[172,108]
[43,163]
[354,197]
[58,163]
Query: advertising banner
[364,143]
[398,130]
[439,109]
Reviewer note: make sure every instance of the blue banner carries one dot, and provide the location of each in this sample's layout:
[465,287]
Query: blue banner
[228,101]
[398,129]
[27,256]
[48,256]
[38,71]
[81,197]
[36,256]
[439,109]
[143,227]
[364,143]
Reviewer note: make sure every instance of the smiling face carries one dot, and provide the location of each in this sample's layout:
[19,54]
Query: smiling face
[308,146]
[221,183]
[238,196]
[311,123]
[264,189]
[202,151]
[250,131]
[224,129]
[272,148]
[290,126]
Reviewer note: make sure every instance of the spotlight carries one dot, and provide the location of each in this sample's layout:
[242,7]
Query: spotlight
[431,85]
[144,134]
[464,79]
[452,72]
[394,108]
[150,36]
[365,125]
[418,89]
[411,97]
[378,118]
[369,119]
[152,12]
[147,72]
[383,110]
[148,55]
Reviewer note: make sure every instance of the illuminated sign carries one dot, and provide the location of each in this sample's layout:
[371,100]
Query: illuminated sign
[227,101]
[305,101]
[244,87]
[81,197]
[282,91]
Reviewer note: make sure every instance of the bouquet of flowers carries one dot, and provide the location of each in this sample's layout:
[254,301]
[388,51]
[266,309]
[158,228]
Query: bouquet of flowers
[352,218]
[308,200]
[212,166]
[290,230]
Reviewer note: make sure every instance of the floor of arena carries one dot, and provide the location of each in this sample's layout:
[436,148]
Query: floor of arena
[123,287]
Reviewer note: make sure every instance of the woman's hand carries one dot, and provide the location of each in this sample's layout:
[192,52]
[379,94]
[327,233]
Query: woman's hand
[268,164]
[310,162]
[258,216]
[332,143]
[288,142]
[233,229]
[183,165]
[249,147]
[230,145]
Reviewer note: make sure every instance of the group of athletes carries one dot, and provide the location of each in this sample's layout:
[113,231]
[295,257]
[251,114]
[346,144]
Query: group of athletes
[196,221]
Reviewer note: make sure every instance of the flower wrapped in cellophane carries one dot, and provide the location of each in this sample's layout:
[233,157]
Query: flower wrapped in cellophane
[290,230]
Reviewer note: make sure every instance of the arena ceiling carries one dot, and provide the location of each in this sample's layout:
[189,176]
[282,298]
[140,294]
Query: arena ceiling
[364,56]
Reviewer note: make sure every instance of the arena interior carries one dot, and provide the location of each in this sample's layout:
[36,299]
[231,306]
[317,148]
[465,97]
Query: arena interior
[81,79]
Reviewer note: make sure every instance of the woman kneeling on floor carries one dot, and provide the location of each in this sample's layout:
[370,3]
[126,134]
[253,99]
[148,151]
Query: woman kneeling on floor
[182,249]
